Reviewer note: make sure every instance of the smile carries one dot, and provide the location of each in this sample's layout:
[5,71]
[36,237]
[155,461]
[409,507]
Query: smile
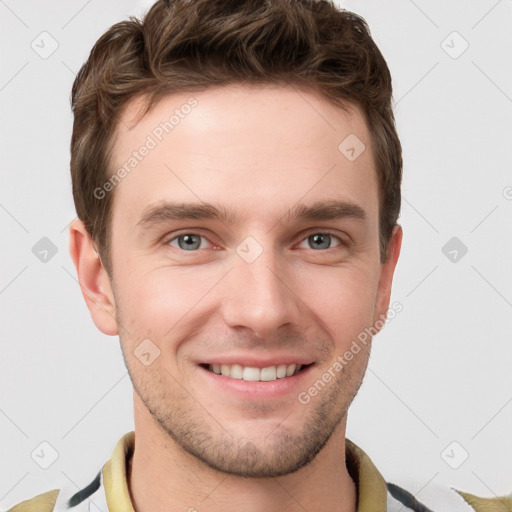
[253,374]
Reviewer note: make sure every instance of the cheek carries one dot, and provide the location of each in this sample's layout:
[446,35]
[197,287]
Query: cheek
[162,303]
[157,302]
[343,298]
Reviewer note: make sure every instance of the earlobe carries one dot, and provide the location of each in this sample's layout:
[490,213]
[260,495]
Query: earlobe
[93,279]
[386,276]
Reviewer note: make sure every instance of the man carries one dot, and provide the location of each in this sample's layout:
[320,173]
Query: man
[236,173]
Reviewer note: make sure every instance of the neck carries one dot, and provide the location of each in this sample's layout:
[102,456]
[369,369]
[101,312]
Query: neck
[163,477]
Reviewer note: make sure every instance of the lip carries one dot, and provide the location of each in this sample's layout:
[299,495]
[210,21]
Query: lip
[258,362]
[259,390]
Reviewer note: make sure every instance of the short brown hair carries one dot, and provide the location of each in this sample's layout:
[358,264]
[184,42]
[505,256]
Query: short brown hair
[188,45]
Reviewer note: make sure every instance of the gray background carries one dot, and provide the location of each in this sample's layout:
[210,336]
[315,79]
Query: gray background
[439,372]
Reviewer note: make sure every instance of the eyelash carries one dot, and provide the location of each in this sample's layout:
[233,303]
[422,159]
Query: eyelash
[342,243]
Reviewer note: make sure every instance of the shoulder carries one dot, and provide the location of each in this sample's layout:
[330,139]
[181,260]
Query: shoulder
[496,504]
[67,497]
[437,497]
[41,503]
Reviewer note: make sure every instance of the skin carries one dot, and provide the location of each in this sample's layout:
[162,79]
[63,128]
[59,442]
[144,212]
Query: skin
[257,151]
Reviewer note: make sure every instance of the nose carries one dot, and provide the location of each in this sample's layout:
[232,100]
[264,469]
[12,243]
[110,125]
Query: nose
[261,297]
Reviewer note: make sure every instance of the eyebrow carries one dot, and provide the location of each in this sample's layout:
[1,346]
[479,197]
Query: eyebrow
[319,211]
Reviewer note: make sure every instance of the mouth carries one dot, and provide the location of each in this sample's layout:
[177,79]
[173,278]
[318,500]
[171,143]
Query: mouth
[255,374]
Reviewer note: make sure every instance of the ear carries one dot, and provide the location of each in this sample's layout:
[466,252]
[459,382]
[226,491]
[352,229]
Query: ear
[93,278]
[386,276]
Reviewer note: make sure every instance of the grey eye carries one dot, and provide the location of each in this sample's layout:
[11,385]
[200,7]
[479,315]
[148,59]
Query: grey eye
[320,240]
[188,241]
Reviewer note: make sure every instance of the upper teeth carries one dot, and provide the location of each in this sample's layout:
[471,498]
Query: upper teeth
[249,373]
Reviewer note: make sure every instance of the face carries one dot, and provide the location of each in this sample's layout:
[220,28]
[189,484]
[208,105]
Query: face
[245,255]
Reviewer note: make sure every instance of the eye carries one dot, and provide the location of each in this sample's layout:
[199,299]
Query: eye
[192,242]
[187,241]
[322,240]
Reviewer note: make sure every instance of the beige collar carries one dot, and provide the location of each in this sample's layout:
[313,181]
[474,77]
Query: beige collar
[371,486]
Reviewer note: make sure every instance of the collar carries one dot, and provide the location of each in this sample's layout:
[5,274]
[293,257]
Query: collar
[371,486]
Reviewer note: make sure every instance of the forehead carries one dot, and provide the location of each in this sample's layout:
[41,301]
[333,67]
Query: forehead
[243,146]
